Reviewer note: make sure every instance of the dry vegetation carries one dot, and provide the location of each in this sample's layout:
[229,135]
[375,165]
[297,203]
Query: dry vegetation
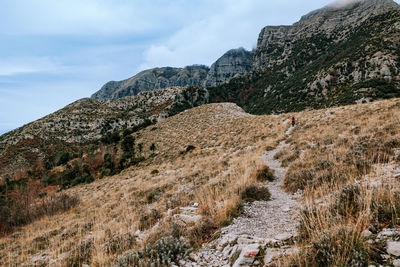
[342,159]
[349,157]
[207,155]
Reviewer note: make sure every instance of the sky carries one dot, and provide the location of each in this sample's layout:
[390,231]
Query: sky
[55,52]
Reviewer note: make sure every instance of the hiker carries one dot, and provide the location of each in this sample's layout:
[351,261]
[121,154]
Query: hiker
[293,121]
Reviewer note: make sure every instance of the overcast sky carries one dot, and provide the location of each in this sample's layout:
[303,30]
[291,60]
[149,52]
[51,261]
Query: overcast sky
[53,52]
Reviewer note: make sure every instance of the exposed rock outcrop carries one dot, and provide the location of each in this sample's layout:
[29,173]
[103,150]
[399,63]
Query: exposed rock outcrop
[232,63]
[334,21]
[153,79]
[347,52]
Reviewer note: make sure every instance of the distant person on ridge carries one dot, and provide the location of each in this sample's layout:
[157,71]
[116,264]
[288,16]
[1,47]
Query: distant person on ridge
[293,121]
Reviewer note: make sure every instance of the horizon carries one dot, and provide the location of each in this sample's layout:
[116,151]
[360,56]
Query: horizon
[56,53]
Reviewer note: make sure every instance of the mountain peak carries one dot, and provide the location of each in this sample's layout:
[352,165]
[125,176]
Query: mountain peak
[365,8]
[348,4]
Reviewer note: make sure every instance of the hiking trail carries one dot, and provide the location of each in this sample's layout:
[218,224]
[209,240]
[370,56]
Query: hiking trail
[269,225]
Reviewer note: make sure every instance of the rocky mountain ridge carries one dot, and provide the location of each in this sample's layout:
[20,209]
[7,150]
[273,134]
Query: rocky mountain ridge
[232,63]
[332,56]
[153,79]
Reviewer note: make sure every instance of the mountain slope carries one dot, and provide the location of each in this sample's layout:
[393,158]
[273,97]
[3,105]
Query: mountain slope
[332,56]
[84,122]
[153,79]
[156,199]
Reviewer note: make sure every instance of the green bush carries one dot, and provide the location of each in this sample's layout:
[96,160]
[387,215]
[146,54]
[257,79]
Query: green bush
[256,192]
[348,201]
[164,252]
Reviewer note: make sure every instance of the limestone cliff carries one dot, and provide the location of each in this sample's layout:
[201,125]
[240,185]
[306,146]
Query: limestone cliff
[153,79]
[232,63]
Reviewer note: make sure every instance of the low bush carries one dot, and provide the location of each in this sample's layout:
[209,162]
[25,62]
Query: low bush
[81,254]
[118,243]
[342,246]
[256,192]
[23,208]
[348,201]
[164,252]
[265,174]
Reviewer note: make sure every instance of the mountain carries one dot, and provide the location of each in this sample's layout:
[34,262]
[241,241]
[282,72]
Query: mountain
[196,187]
[83,123]
[340,54]
[153,79]
[229,65]
[232,63]
[140,180]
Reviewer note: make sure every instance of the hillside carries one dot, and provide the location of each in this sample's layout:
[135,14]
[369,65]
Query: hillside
[152,171]
[209,155]
[37,146]
[332,56]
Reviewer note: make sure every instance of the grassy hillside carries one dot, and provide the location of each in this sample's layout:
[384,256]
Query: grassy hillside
[209,155]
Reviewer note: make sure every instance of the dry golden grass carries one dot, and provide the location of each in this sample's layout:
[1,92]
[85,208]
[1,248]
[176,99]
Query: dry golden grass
[342,150]
[329,149]
[228,147]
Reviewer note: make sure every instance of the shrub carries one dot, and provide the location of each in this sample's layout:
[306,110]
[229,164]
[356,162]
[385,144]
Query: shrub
[256,192]
[118,243]
[81,254]
[341,246]
[265,174]
[385,208]
[25,208]
[348,201]
[164,252]
[128,143]
[149,219]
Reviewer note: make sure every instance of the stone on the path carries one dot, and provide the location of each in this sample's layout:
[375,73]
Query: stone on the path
[393,248]
[283,236]
[366,233]
[396,263]
[247,256]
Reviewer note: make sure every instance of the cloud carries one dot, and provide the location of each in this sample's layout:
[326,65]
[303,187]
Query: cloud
[23,65]
[94,17]
[343,3]
[236,23]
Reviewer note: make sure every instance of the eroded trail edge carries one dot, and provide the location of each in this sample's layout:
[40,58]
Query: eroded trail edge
[267,225]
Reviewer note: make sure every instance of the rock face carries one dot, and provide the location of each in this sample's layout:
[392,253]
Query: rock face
[153,79]
[340,54]
[333,21]
[232,63]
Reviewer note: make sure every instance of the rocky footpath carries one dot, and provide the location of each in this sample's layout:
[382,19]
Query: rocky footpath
[264,232]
